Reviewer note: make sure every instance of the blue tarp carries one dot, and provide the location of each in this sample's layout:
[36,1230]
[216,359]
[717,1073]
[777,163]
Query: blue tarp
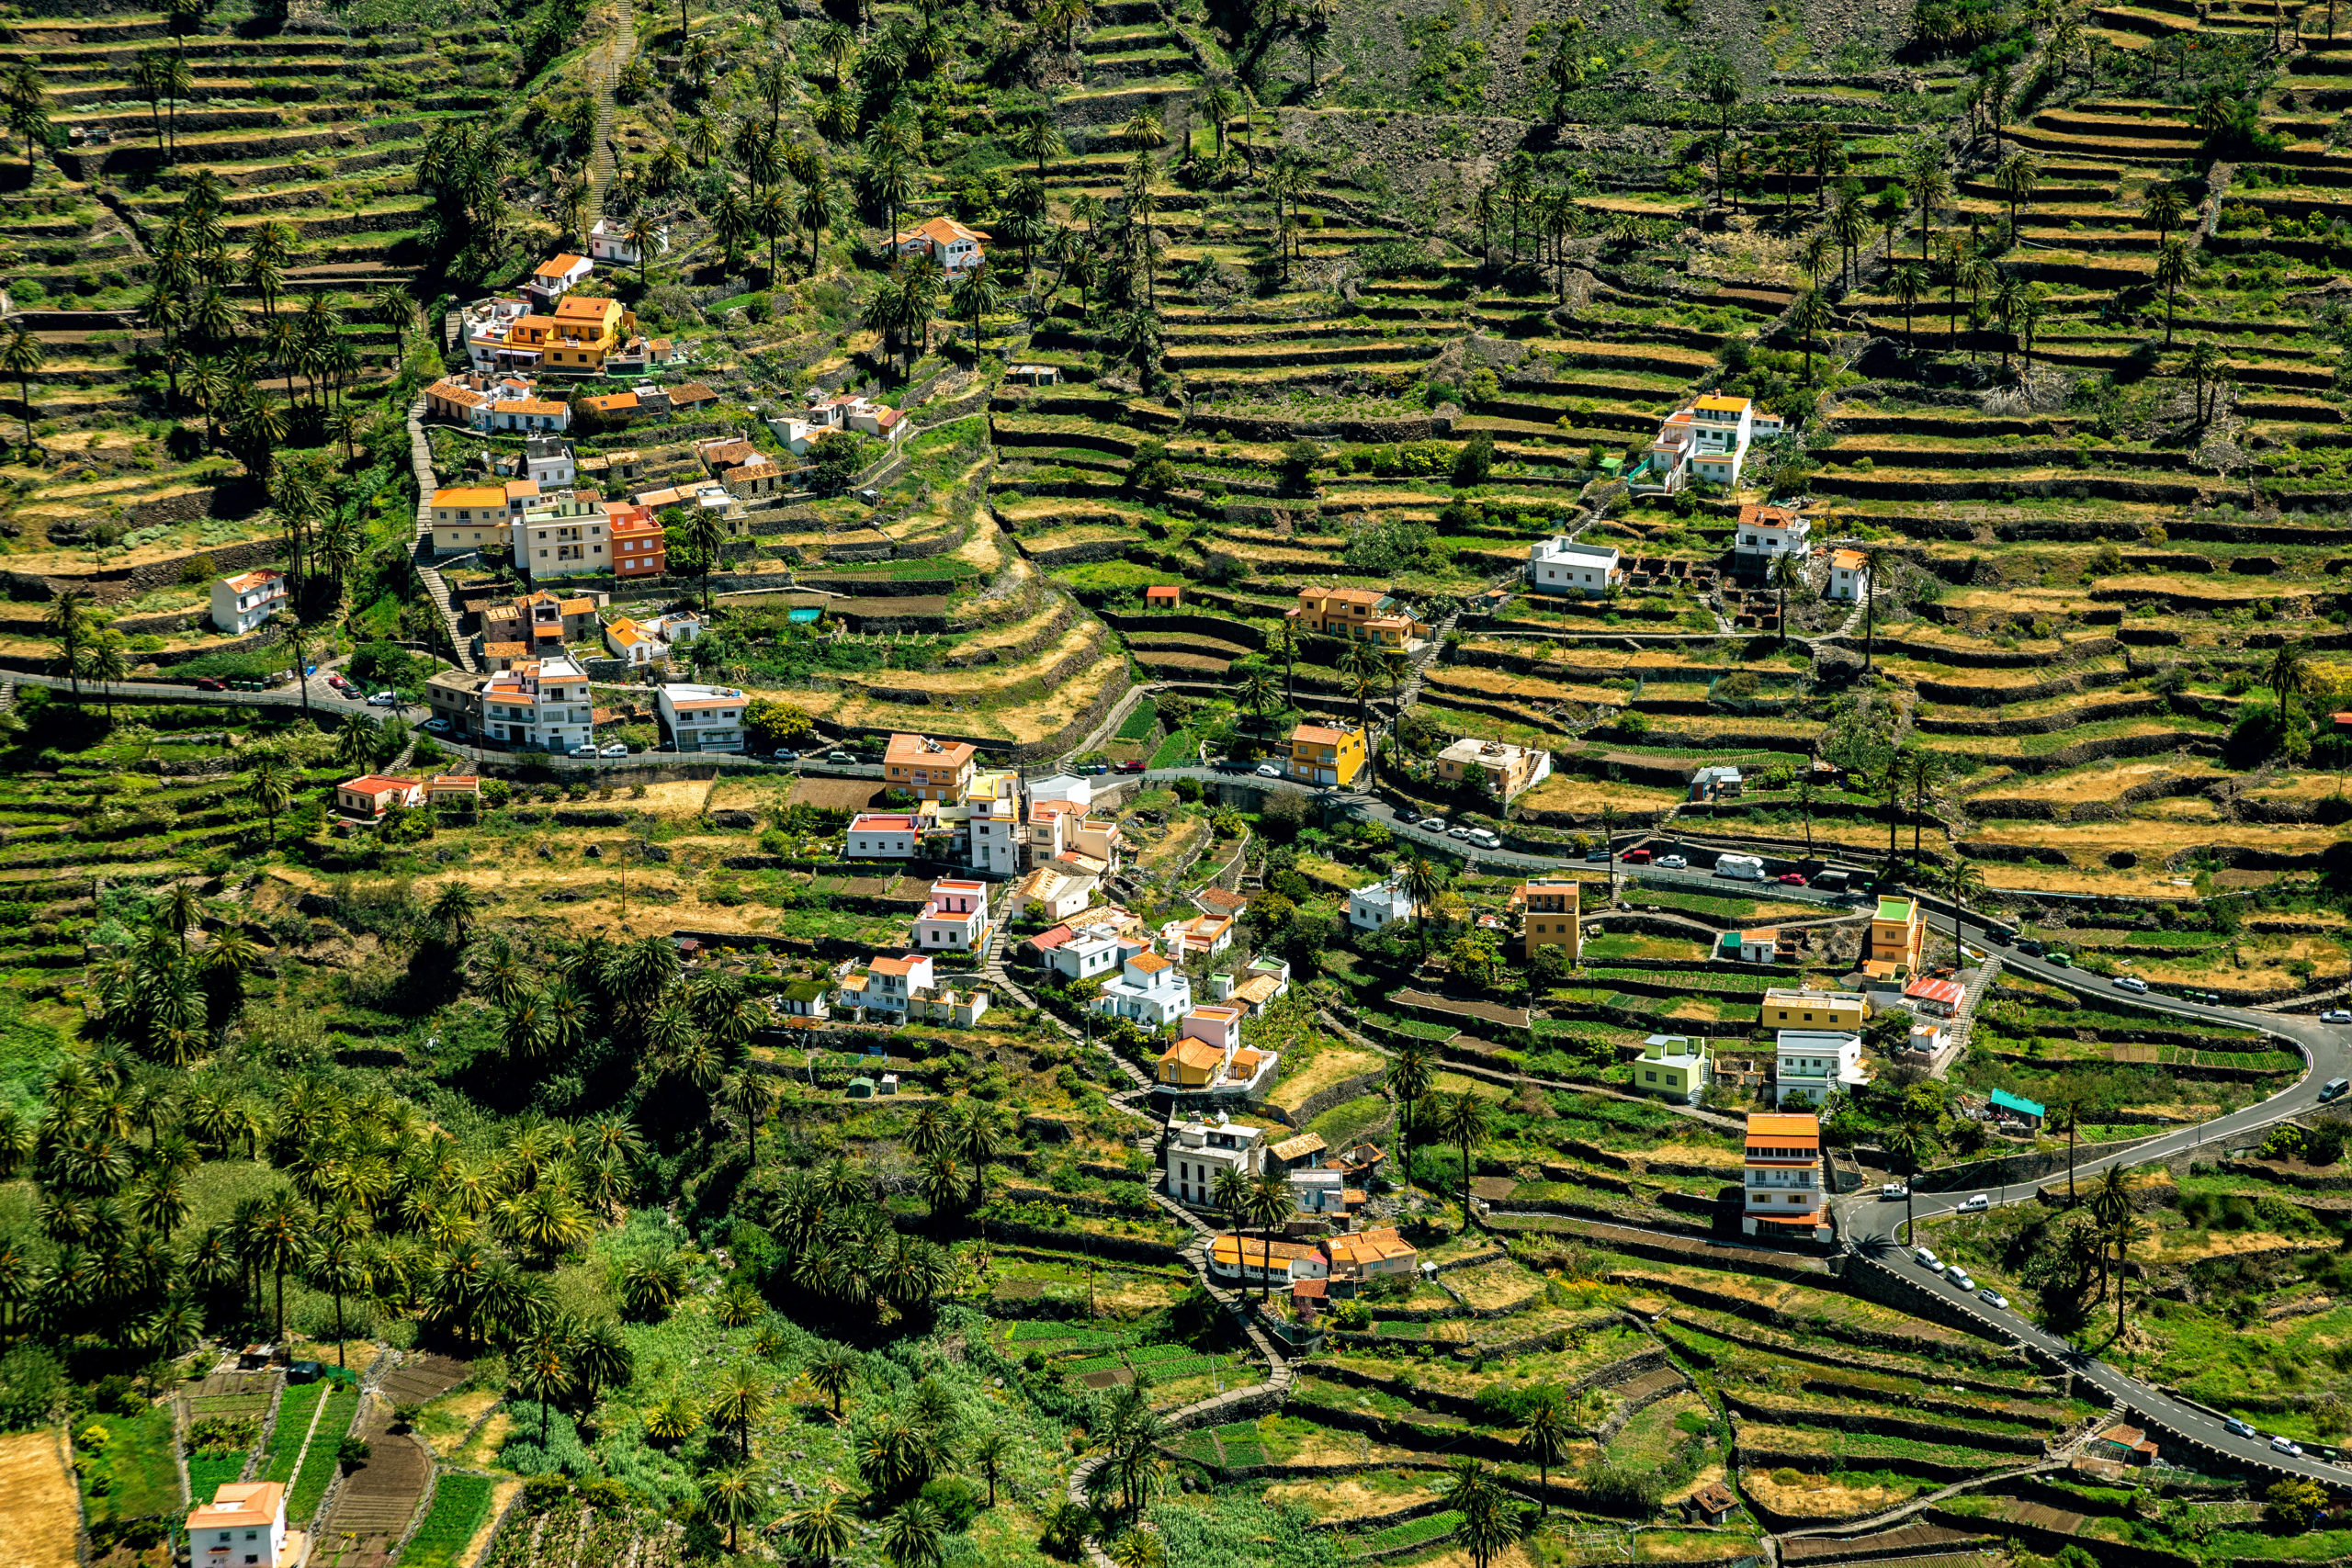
[2004,1100]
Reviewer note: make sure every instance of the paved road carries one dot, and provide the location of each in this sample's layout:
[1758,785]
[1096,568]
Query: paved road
[1871,1224]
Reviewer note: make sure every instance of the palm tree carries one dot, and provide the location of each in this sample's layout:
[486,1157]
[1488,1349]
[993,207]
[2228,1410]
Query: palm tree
[1964,884]
[818,1530]
[1257,689]
[1268,1205]
[20,356]
[2172,269]
[2163,207]
[1931,182]
[2013,178]
[1411,1069]
[1421,881]
[1544,1441]
[269,784]
[1810,316]
[1785,574]
[741,1399]
[2288,674]
[2066,1116]
[1230,1192]
[1282,643]
[1464,1119]
[278,1239]
[978,1138]
[977,296]
[1034,135]
[69,619]
[912,1535]
[1910,286]
[753,1098]
[2112,1207]
[831,1370]
[340,1271]
[726,1499]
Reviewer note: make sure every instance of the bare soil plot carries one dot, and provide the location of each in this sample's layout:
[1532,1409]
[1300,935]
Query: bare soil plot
[837,794]
[43,1516]
[1330,1066]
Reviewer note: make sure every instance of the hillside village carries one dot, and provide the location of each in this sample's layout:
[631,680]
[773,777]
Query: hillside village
[1174,785]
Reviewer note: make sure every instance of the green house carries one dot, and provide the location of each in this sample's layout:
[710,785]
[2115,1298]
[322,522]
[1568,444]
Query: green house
[1674,1067]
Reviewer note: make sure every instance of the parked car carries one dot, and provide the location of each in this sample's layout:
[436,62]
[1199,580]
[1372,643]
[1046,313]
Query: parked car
[1485,840]
[385,700]
[1924,1254]
[781,754]
[841,759]
[2237,1428]
[1992,1297]
[1961,1278]
[2059,961]
[614,749]
[2132,983]
[1792,879]
[210,684]
[436,726]
[2029,947]
[1672,862]
[1935,1265]
[2335,1015]
[1132,765]
[2284,1446]
[1267,771]
[584,750]
[1975,1204]
[1894,1190]
[1636,857]
[1459,830]
[1432,824]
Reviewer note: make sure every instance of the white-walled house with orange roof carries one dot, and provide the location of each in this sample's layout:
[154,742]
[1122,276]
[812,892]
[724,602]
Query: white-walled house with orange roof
[1149,991]
[956,919]
[1850,576]
[244,1527]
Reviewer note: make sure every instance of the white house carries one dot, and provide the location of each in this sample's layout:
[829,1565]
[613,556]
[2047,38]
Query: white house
[1091,951]
[955,918]
[702,718]
[677,628]
[634,644]
[1560,565]
[1077,790]
[954,246]
[245,1525]
[1148,990]
[1382,905]
[882,835]
[1765,532]
[555,276]
[609,242]
[550,463]
[1850,576]
[884,985]
[1812,1065]
[542,705]
[1200,1149]
[1052,894]
[1758,946]
[243,602]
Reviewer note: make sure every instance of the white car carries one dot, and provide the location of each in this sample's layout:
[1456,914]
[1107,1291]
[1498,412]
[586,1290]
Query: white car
[1963,1279]
[1672,862]
[584,750]
[2282,1446]
[384,700]
[437,726]
[1992,1297]
[1267,771]
[1459,830]
[614,749]
[1432,824]
[2132,983]
[1975,1204]
[1894,1190]
[2335,1015]
[1485,840]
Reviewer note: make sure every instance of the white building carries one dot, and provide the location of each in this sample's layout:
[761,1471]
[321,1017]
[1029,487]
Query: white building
[702,718]
[560,537]
[1091,951]
[543,704]
[1850,576]
[244,1527]
[1765,532]
[1077,791]
[882,985]
[992,808]
[954,246]
[550,462]
[555,277]
[956,917]
[609,242]
[1812,1065]
[1199,1150]
[1560,565]
[243,602]
[1380,905]
[1707,439]
[633,644]
[1148,990]
[883,835]
[1051,894]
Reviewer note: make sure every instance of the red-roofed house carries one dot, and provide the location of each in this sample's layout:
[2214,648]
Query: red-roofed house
[954,246]
[879,835]
[371,795]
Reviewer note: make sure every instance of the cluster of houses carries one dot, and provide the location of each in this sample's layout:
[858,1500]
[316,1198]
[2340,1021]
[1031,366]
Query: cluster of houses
[544,703]
[997,822]
[373,797]
[826,412]
[1706,440]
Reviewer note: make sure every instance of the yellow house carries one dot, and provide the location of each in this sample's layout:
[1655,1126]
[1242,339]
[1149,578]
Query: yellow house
[1552,918]
[1813,1010]
[1355,612]
[585,330]
[1898,933]
[470,517]
[1191,1064]
[1321,755]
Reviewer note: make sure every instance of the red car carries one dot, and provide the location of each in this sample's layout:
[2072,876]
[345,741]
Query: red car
[1793,879]
[1636,857]
[210,684]
[1130,766]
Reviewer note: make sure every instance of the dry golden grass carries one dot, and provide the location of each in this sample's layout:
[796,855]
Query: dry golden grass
[41,1513]
[483,1450]
[1819,1497]
[459,1411]
[2197,1246]
[1344,1498]
[1048,714]
[2088,842]
[2100,781]
[1571,792]
[1331,1064]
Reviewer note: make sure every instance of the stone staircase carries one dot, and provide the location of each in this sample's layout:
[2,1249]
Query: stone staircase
[428,571]
[603,167]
